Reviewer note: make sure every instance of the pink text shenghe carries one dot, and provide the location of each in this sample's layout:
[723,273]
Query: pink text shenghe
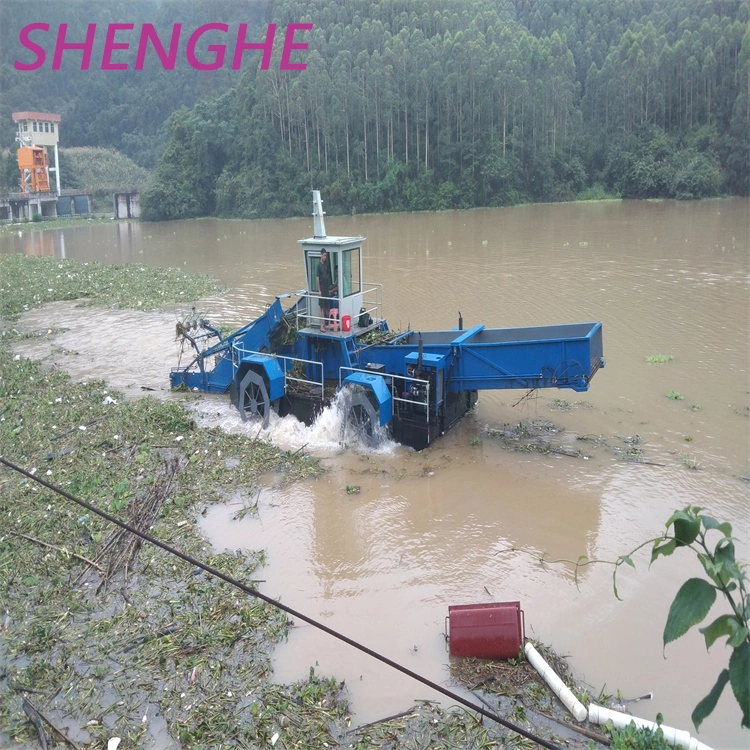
[148,35]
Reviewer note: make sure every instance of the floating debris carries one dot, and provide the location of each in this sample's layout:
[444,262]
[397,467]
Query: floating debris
[534,435]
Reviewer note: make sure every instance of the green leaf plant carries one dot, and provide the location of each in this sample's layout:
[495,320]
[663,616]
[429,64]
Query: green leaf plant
[711,541]
[696,596]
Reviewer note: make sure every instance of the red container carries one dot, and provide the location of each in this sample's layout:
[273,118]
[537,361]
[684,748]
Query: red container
[346,323]
[487,631]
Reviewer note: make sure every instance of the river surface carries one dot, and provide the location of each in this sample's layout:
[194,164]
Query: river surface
[468,520]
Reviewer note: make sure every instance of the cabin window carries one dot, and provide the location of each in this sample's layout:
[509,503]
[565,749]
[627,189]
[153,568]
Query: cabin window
[350,272]
[35,127]
[46,127]
[312,265]
[313,258]
[333,263]
[52,127]
[345,270]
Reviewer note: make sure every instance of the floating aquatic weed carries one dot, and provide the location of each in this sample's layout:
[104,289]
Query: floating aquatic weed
[628,448]
[49,409]
[561,404]
[690,463]
[535,435]
[659,359]
[33,280]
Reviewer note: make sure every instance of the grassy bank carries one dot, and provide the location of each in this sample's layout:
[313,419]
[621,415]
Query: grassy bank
[109,637]
[595,194]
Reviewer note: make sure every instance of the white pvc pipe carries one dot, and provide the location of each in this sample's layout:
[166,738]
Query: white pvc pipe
[558,687]
[675,737]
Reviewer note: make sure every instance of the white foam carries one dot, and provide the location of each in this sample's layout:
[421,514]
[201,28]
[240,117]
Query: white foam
[287,433]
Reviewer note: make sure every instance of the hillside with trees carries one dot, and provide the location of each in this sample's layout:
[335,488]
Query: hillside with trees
[417,104]
[126,110]
[409,105]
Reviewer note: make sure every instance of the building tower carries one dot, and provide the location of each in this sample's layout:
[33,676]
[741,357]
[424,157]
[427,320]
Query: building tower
[37,131]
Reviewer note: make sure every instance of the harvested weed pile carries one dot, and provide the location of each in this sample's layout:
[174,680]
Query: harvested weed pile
[514,689]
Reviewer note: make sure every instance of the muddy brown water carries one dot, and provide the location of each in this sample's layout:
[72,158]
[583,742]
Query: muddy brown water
[467,520]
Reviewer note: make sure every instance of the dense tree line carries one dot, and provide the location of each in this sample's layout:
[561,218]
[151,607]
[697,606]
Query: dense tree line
[409,104]
[417,104]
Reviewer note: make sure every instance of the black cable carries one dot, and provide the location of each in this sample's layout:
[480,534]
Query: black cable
[254,592]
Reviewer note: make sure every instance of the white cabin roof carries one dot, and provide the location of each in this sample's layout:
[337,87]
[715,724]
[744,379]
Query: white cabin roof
[332,241]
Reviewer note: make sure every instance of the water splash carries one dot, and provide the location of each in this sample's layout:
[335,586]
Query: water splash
[325,435]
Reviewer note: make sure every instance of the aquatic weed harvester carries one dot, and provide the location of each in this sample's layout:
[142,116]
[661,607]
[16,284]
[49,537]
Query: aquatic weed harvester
[410,386]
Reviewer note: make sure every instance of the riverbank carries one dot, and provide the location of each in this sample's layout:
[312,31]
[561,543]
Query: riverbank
[108,637]
[9,228]
[59,222]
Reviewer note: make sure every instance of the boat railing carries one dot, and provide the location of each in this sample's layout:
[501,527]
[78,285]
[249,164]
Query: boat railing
[414,390]
[372,304]
[411,394]
[372,299]
[309,314]
[287,365]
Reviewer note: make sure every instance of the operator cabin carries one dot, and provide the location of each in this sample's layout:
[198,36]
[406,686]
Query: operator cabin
[345,264]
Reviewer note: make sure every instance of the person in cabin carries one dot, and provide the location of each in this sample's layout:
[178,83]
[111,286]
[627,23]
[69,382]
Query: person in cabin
[324,285]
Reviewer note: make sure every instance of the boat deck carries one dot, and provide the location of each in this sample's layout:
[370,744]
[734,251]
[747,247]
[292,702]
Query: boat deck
[356,330]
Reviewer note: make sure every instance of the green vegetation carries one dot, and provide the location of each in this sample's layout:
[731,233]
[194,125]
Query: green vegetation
[409,106]
[696,597]
[184,183]
[634,738]
[690,463]
[675,395]
[101,170]
[114,109]
[712,543]
[659,359]
[596,193]
[27,281]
